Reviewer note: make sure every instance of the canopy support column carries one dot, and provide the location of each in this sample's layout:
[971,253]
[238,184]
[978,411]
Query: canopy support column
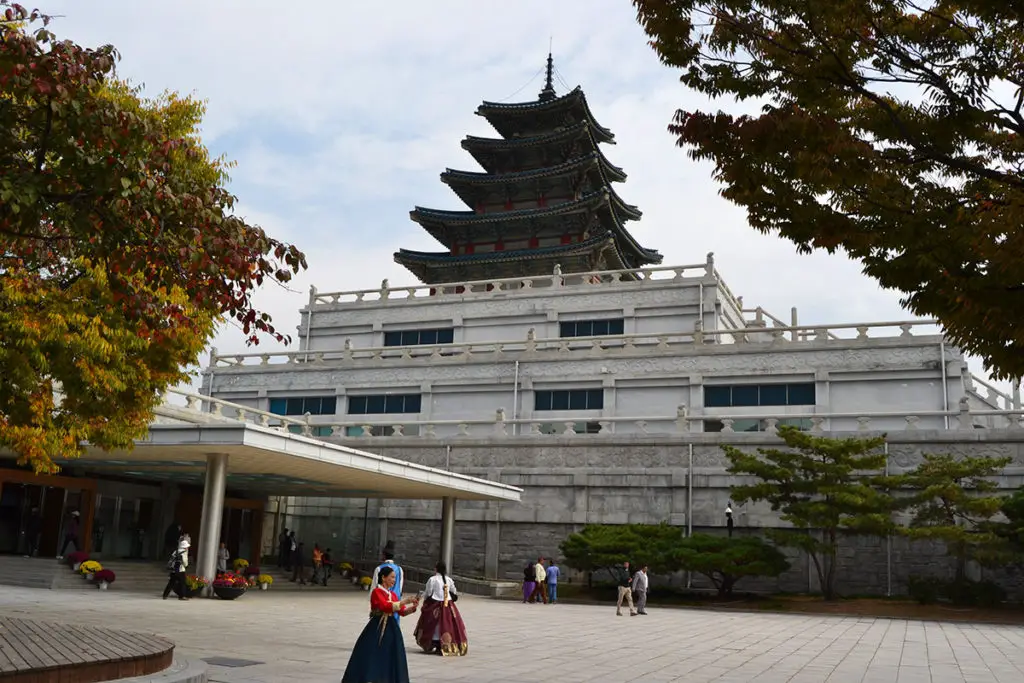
[214,490]
[448,531]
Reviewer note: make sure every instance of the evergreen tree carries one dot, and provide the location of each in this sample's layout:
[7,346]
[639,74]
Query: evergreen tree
[823,487]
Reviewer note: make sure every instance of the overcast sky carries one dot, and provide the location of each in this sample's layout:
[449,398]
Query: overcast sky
[341,115]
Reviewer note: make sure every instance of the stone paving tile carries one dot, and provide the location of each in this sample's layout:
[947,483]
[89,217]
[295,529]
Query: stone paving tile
[308,637]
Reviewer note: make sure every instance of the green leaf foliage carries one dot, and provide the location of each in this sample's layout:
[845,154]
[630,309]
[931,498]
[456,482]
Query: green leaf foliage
[599,547]
[890,129]
[954,501]
[724,560]
[823,487]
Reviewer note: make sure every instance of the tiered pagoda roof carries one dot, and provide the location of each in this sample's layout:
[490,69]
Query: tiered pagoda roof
[543,199]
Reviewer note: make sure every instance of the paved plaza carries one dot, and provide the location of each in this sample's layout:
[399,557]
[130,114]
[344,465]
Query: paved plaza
[307,636]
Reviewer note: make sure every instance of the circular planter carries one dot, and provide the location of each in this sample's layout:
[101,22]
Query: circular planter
[228,592]
[264,586]
[75,566]
[103,585]
[89,577]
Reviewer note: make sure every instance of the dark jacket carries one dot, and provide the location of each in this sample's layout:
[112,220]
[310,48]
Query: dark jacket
[625,578]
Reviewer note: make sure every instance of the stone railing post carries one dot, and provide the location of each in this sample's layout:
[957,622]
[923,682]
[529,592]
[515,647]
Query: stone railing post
[385,289]
[307,428]
[727,425]
[771,425]
[709,265]
[531,340]
[963,418]
[499,422]
[682,418]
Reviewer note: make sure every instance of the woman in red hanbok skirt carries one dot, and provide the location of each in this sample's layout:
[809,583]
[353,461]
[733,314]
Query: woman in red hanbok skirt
[440,629]
[379,653]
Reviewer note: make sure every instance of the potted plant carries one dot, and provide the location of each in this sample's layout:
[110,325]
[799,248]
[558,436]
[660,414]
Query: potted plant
[265,581]
[76,558]
[345,569]
[240,565]
[104,578]
[89,568]
[364,581]
[229,587]
[194,585]
[251,571]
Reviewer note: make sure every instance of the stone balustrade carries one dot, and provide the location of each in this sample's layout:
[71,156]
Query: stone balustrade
[604,346]
[684,422]
[484,288]
[992,394]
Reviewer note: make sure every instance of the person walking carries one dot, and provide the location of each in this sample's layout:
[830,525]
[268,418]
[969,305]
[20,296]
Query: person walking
[328,566]
[318,564]
[284,549]
[222,558]
[625,580]
[553,573]
[389,563]
[379,652]
[70,534]
[440,629]
[529,582]
[640,586]
[540,579]
[32,528]
[176,566]
[298,562]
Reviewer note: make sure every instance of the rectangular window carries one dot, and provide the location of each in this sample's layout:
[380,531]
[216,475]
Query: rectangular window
[419,337]
[569,399]
[300,405]
[591,328]
[384,404]
[801,423]
[382,430]
[749,395]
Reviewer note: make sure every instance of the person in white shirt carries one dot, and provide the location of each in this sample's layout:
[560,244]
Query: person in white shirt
[640,589]
[440,629]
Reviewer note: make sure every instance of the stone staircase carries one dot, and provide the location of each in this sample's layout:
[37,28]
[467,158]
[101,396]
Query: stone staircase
[29,572]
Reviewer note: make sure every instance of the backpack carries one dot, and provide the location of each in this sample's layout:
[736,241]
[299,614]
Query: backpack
[173,562]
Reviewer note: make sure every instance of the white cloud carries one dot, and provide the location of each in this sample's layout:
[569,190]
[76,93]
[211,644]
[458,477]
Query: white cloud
[341,116]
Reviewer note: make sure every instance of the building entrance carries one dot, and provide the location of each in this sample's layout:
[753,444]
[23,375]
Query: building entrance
[34,510]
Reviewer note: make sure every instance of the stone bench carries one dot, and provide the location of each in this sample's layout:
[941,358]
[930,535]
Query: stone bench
[40,652]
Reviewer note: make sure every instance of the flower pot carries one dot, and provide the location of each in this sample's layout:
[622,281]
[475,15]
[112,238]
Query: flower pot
[89,577]
[103,585]
[366,587]
[228,592]
[75,566]
[264,586]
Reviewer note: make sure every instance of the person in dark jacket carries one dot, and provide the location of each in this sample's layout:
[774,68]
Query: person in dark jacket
[283,548]
[33,526]
[70,534]
[299,564]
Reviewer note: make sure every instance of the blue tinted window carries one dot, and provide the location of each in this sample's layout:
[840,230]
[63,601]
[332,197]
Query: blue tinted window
[444,335]
[802,394]
[384,404]
[591,328]
[277,405]
[773,395]
[717,397]
[569,399]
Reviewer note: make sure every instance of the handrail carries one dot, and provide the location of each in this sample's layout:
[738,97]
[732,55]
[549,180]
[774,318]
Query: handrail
[422,291]
[498,425]
[993,392]
[662,341]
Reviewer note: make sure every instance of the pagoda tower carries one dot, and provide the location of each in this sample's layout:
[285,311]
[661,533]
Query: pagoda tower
[544,199]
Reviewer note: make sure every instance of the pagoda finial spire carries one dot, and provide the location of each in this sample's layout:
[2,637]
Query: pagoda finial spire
[548,93]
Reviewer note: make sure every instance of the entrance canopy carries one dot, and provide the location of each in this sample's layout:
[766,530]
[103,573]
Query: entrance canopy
[269,461]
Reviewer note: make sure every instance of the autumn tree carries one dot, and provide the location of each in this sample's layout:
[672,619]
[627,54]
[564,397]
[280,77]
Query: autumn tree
[954,501]
[119,248]
[892,129]
[725,561]
[823,487]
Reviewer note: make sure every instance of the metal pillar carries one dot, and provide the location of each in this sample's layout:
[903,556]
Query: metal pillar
[213,513]
[448,532]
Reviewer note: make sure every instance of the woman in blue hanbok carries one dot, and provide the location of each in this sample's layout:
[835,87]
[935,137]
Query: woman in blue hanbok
[379,652]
